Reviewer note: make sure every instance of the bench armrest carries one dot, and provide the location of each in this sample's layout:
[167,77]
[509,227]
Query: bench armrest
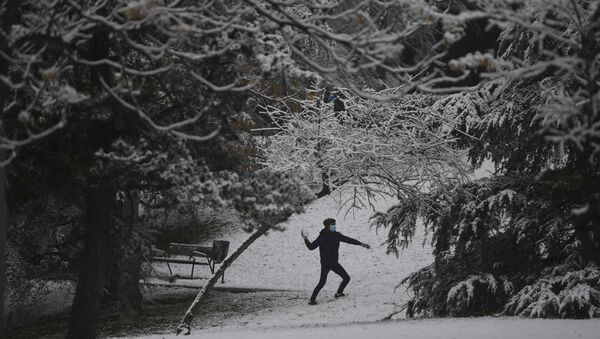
[200,254]
[159,253]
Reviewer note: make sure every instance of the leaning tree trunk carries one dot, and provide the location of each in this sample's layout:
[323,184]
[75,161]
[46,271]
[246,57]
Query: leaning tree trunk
[94,263]
[187,318]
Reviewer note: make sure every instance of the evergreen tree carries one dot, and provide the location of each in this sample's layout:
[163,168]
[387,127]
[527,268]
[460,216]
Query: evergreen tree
[526,240]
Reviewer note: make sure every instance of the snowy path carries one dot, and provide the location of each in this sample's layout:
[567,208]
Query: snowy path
[459,328]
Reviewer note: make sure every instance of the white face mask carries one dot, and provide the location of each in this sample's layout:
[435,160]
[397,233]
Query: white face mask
[332,228]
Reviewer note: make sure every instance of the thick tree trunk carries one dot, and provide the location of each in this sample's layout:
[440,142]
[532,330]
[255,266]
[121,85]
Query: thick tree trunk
[123,276]
[185,325]
[8,16]
[587,220]
[130,298]
[130,262]
[3,232]
[94,263]
[125,265]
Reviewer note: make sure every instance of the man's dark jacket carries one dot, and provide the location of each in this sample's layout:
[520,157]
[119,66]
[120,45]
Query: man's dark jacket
[328,243]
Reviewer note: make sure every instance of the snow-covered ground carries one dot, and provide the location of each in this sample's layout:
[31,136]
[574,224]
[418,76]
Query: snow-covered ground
[280,260]
[453,328]
[281,273]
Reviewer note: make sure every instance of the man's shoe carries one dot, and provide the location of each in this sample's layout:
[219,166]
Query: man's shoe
[312,302]
[339,294]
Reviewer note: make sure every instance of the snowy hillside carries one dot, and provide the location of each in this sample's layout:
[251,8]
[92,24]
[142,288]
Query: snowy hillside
[280,260]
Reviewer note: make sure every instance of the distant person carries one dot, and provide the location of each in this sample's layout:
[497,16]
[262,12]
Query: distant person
[338,104]
[328,243]
[331,95]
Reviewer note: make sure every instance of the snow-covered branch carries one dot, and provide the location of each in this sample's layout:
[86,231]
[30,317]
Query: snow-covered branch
[393,148]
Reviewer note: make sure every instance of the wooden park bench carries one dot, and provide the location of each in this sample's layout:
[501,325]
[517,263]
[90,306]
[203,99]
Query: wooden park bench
[192,254]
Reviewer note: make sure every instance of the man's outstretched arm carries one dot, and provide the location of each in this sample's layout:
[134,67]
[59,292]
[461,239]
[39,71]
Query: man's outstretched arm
[311,245]
[352,241]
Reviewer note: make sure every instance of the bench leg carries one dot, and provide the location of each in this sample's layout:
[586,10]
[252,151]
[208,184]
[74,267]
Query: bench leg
[223,277]
[169,266]
[211,265]
[192,276]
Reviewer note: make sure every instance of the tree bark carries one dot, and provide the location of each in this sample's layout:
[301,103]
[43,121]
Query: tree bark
[8,16]
[126,259]
[94,263]
[130,298]
[587,223]
[128,284]
[325,190]
[587,229]
[186,322]
[3,232]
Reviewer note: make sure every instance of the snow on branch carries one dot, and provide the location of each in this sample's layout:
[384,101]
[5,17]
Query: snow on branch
[560,294]
[392,148]
[129,44]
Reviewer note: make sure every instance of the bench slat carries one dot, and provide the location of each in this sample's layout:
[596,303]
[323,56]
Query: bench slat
[178,261]
[213,255]
[182,249]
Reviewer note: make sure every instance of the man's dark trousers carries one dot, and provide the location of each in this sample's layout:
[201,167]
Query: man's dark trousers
[337,269]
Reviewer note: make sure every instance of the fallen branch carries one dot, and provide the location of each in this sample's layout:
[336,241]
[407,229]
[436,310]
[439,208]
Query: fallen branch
[186,322]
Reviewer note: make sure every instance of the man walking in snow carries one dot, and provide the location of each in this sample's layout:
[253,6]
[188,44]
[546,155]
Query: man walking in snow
[328,243]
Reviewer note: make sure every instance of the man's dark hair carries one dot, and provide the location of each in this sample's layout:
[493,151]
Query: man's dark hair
[328,221]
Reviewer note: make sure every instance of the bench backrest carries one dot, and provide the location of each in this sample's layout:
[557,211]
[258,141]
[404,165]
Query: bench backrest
[182,249]
[217,253]
[220,249]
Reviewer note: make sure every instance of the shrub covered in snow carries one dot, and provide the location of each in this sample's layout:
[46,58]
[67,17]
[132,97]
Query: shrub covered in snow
[477,294]
[495,242]
[560,293]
